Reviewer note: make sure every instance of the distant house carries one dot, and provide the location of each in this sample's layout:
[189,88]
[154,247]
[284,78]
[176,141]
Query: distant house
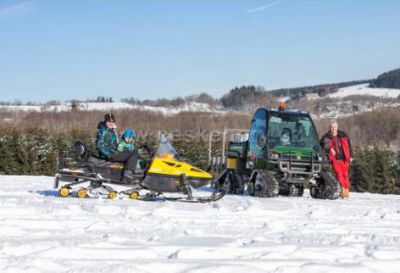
[312,96]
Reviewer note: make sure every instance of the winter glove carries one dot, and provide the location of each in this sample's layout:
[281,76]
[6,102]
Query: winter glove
[149,149]
[152,150]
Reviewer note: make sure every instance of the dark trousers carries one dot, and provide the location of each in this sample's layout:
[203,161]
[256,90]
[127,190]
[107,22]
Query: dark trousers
[128,158]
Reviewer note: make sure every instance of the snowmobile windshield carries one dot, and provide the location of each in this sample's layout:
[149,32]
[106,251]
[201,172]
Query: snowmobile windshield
[166,150]
[292,130]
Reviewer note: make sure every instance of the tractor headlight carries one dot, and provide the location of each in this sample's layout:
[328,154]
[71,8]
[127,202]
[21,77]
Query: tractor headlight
[273,156]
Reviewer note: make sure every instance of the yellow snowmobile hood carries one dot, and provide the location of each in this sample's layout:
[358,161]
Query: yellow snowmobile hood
[176,168]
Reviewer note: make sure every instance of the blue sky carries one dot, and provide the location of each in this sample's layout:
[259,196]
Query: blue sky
[65,49]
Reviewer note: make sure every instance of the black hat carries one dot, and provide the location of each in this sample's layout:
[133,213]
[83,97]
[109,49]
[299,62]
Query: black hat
[109,117]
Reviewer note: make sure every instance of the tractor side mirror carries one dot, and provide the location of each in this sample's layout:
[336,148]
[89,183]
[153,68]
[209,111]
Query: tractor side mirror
[261,141]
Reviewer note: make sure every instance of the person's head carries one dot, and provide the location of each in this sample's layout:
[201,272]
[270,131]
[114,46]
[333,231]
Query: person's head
[129,135]
[333,125]
[286,136]
[109,119]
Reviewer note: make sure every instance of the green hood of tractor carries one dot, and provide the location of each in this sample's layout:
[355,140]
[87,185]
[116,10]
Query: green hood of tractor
[295,152]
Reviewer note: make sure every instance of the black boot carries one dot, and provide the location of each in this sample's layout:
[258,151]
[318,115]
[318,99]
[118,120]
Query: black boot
[128,177]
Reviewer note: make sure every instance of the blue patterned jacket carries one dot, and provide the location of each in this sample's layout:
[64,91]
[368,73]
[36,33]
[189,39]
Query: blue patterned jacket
[106,140]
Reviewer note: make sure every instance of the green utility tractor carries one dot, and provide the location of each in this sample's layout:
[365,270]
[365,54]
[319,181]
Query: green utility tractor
[279,155]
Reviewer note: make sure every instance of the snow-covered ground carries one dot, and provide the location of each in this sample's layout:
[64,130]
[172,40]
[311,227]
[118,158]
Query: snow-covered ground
[107,106]
[363,89]
[41,232]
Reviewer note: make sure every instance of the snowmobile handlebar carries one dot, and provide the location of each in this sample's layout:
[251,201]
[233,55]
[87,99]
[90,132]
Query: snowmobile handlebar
[149,149]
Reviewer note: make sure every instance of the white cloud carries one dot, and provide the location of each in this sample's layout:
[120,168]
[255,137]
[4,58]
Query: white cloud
[258,9]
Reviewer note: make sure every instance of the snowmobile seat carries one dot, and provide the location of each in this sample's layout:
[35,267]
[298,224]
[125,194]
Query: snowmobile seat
[82,151]
[95,159]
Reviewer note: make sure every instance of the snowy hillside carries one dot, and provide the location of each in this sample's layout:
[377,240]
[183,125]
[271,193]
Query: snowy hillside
[67,107]
[41,232]
[187,107]
[363,89]
[92,106]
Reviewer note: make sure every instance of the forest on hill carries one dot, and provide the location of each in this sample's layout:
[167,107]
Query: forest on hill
[389,79]
[240,98]
[246,97]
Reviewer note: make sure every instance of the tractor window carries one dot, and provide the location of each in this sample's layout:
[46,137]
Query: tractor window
[291,130]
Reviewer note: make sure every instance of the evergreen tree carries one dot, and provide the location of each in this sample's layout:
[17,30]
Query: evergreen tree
[357,172]
[384,171]
[397,174]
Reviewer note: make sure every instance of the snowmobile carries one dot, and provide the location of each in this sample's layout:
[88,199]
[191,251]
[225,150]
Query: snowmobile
[163,172]
[279,155]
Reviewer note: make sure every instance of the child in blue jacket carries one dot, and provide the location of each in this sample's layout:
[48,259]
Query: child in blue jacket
[127,143]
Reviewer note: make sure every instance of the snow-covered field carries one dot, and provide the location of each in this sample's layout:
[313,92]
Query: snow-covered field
[364,90]
[40,232]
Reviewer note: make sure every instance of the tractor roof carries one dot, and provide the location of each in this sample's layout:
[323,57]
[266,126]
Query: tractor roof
[294,112]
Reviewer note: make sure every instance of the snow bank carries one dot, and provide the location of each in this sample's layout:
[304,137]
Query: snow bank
[363,89]
[41,232]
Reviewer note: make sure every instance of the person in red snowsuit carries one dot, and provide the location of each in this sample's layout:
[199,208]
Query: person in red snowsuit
[338,147]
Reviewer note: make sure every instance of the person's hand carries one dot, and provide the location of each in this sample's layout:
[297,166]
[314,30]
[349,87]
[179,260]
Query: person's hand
[152,150]
[351,159]
[149,149]
[333,152]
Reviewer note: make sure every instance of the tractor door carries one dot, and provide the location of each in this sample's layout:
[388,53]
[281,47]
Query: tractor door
[256,153]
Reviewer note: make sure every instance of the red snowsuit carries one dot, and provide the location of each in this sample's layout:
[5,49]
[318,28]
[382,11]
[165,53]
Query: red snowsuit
[341,158]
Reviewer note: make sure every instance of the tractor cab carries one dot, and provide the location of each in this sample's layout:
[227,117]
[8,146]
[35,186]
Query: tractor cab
[286,138]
